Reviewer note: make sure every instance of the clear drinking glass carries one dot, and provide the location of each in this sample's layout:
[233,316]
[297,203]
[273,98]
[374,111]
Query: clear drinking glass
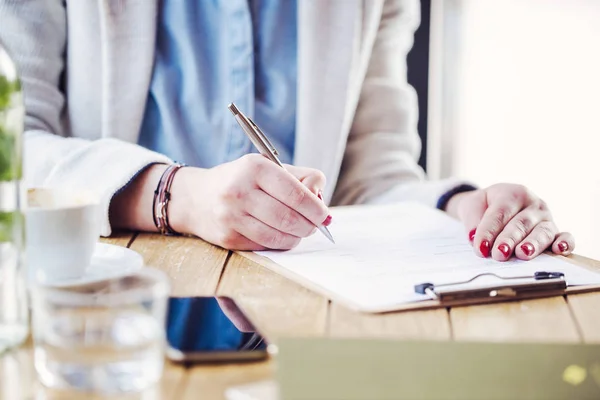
[105,337]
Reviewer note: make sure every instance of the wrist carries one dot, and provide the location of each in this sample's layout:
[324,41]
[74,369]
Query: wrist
[453,204]
[182,200]
[129,207]
[450,201]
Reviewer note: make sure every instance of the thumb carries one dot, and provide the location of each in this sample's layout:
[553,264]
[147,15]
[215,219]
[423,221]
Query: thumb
[471,211]
[312,178]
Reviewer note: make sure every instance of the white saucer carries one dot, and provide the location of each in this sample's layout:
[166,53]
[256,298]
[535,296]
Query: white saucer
[108,261]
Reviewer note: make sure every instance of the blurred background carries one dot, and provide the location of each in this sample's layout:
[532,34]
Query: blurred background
[510,92]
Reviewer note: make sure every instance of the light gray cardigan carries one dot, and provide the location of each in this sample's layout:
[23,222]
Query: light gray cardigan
[86,68]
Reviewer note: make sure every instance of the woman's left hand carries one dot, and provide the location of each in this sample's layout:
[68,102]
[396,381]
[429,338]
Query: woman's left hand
[505,219]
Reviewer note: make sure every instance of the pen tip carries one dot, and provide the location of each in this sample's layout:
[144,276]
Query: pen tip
[327,234]
[233,109]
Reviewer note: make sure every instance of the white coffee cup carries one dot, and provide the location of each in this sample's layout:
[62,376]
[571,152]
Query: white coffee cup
[62,229]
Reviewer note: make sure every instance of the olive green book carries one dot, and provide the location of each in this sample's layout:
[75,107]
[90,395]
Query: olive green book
[310,369]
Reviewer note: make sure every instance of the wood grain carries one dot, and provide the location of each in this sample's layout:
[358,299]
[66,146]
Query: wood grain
[211,381]
[172,382]
[585,307]
[586,311]
[584,261]
[193,265]
[167,388]
[430,324]
[276,305]
[279,306]
[540,320]
[119,238]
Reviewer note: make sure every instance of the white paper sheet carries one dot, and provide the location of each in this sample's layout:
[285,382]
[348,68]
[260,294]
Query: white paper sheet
[382,252]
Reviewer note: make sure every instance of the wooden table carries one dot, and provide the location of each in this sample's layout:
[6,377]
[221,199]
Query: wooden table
[281,307]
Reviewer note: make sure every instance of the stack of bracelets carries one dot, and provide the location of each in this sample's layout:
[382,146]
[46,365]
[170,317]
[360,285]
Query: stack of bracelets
[162,196]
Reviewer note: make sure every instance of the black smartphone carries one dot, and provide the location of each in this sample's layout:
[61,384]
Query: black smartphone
[211,329]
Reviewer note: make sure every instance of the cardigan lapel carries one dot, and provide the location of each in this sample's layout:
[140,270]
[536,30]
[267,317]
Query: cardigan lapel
[128,29]
[328,43]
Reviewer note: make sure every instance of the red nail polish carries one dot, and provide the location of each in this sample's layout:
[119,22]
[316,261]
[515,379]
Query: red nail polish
[472,235]
[505,250]
[320,195]
[563,246]
[484,248]
[528,249]
[327,221]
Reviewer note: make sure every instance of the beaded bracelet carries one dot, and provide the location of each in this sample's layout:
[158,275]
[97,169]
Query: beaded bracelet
[160,203]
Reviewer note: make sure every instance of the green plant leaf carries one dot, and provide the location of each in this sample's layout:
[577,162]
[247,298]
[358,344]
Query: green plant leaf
[6,90]
[10,164]
[7,226]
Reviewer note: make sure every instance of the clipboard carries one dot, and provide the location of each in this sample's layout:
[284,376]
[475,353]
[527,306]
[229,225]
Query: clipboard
[377,263]
[450,297]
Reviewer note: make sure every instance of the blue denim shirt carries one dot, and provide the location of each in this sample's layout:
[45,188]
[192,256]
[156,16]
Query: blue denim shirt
[213,52]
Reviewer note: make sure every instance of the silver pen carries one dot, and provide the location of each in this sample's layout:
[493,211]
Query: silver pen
[265,147]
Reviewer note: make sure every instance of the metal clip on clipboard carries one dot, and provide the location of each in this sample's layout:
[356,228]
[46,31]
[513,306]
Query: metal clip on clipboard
[544,283]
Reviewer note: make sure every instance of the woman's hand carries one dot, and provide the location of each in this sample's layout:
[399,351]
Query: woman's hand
[506,219]
[235,314]
[248,204]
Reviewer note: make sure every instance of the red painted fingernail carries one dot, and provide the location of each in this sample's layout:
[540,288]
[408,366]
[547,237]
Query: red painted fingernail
[563,246]
[472,235]
[484,247]
[505,250]
[528,249]
[320,195]
[327,221]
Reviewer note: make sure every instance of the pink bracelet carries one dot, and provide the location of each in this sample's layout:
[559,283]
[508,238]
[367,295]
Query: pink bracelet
[162,196]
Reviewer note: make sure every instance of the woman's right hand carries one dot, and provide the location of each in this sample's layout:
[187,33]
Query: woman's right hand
[248,204]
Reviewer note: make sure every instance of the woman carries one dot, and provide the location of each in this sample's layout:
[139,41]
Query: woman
[132,85]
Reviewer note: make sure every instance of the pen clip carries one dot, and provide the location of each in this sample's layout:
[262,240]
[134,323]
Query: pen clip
[260,140]
[263,137]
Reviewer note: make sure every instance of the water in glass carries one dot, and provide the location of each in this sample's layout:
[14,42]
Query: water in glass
[109,339]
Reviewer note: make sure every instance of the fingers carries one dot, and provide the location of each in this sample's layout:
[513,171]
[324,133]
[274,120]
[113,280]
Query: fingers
[233,312]
[264,235]
[236,241]
[519,227]
[286,188]
[540,238]
[492,223]
[507,219]
[472,212]
[277,215]
[255,204]
[313,179]
[564,244]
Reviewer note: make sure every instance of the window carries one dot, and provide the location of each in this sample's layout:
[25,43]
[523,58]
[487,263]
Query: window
[515,97]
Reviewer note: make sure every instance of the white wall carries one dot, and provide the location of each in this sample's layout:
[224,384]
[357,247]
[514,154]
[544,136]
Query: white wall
[522,94]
